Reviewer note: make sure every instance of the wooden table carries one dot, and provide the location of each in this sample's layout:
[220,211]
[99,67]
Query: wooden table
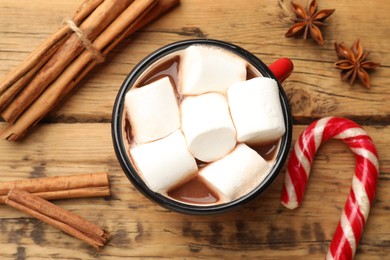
[75,138]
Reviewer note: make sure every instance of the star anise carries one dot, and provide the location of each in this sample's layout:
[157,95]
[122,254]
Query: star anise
[353,64]
[309,21]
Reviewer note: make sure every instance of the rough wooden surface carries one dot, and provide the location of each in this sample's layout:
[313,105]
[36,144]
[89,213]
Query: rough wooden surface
[76,138]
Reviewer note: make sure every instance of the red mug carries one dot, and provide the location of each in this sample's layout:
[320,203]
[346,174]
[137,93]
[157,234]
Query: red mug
[282,68]
[279,71]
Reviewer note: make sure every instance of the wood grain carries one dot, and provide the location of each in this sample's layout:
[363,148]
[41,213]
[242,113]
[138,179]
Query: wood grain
[142,229]
[75,138]
[314,89]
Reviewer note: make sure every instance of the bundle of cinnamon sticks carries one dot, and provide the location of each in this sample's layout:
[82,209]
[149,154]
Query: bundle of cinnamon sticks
[52,70]
[29,196]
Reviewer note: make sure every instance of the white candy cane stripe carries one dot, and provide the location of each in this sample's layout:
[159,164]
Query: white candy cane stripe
[351,132]
[319,130]
[293,202]
[368,155]
[305,163]
[359,201]
[348,231]
[361,197]
[329,256]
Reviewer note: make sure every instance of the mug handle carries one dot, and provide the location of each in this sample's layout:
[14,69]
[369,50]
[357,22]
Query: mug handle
[282,68]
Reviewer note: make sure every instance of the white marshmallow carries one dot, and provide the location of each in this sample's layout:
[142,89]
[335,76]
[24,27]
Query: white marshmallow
[164,163]
[207,126]
[256,110]
[209,69]
[153,111]
[235,174]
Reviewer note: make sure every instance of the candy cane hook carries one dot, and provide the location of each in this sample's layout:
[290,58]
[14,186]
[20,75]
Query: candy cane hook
[361,196]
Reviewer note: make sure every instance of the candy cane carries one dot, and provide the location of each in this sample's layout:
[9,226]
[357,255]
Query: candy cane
[361,196]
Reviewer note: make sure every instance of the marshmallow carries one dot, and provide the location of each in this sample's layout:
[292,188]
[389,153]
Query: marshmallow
[209,69]
[164,163]
[235,174]
[153,111]
[207,126]
[256,110]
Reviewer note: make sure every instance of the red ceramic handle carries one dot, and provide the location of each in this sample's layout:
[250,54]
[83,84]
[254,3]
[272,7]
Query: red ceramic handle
[282,68]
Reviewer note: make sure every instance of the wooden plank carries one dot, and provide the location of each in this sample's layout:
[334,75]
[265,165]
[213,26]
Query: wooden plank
[314,89]
[141,228]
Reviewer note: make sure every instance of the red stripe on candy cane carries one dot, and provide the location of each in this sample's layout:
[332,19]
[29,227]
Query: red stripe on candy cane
[357,207]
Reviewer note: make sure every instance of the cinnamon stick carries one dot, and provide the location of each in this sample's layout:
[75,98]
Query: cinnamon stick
[84,63]
[93,25]
[40,55]
[55,216]
[18,84]
[61,187]
[88,192]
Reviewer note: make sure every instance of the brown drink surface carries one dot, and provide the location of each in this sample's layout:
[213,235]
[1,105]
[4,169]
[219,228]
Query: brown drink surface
[267,151]
[194,191]
[169,68]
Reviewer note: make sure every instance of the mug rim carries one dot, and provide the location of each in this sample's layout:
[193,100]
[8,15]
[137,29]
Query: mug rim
[131,172]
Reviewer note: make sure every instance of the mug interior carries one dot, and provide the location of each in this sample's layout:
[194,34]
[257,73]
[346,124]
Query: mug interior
[130,170]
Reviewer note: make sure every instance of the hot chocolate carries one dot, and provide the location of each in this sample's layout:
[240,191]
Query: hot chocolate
[195,180]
